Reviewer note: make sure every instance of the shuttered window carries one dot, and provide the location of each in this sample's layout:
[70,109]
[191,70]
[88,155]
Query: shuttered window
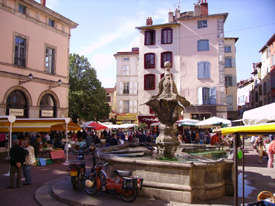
[204,70]
[203,45]
[149,82]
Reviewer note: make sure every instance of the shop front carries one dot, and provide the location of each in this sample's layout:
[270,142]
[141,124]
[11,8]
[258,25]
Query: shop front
[124,118]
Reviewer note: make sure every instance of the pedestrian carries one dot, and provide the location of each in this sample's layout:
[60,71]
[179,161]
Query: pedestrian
[215,139]
[180,138]
[271,153]
[17,158]
[259,143]
[88,139]
[2,139]
[202,138]
[37,145]
[29,161]
[113,140]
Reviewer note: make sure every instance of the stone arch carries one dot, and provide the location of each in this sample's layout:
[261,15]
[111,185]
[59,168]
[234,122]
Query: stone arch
[22,89]
[48,110]
[50,93]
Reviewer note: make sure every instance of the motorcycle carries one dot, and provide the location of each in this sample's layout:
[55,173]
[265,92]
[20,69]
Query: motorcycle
[123,184]
[77,169]
[77,173]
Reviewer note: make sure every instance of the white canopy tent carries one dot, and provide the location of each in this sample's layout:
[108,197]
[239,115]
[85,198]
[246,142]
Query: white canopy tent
[120,126]
[213,121]
[259,115]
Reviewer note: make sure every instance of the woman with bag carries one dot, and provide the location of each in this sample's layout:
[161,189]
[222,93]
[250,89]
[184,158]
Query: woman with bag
[259,143]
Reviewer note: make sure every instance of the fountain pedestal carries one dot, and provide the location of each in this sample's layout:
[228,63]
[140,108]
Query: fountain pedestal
[167,105]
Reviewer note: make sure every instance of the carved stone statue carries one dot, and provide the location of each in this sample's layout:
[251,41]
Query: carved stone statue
[167,105]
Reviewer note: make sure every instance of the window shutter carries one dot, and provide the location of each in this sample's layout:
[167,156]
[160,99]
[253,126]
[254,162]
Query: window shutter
[207,70]
[131,107]
[200,96]
[234,81]
[135,87]
[213,95]
[233,62]
[135,106]
[121,87]
[131,88]
[120,106]
[200,70]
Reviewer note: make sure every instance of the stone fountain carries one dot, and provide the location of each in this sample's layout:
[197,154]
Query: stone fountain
[189,181]
[167,105]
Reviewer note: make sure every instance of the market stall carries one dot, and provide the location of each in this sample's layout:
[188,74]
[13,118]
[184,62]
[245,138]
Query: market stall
[242,132]
[41,125]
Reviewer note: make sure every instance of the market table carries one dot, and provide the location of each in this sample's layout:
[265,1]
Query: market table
[57,154]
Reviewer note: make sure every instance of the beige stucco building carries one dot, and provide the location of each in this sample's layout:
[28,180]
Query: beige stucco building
[127,85]
[193,41]
[34,52]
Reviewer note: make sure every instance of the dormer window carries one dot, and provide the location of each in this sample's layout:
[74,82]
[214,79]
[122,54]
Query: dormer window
[51,22]
[22,9]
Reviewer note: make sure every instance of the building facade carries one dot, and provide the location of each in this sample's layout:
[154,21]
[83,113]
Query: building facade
[34,58]
[127,86]
[260,88]
[230,77]
[194,43]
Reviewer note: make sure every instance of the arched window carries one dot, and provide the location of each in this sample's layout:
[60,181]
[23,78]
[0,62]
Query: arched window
[17,104]
[47,106]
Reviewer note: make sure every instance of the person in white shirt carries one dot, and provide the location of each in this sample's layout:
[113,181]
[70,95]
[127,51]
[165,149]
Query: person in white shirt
[29,160]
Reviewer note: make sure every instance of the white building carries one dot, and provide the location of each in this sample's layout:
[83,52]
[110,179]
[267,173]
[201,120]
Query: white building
[127,85]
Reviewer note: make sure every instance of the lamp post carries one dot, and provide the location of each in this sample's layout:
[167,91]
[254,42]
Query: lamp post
[59,82]
[30,77]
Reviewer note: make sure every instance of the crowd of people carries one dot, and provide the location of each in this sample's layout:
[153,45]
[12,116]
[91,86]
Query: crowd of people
[264,147]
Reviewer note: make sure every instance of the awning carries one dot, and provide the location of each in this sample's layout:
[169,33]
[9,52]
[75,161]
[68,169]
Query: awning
[260,115]
[40,125]
[214,121]
[62,127]
[251,129]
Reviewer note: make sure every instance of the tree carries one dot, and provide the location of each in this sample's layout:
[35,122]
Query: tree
[87,98]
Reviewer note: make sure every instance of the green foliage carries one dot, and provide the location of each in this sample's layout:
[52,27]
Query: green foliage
[141,127]
[87,98]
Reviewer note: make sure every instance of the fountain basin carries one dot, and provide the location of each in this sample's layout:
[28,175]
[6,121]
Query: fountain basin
[186,182]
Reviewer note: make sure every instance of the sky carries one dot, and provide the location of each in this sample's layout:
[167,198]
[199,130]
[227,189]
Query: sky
[109,26]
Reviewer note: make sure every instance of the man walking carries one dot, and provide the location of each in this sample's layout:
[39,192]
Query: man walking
[29,160]
[17,157]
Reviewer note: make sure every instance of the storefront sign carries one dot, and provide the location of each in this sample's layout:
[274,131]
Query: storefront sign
[46,113]
[126,116]
[17,112]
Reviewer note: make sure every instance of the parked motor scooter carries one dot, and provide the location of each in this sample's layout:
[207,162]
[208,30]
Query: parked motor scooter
[77,169]
[123,184]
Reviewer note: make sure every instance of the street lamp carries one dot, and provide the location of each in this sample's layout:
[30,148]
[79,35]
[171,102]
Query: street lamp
[59,82]
[30,77]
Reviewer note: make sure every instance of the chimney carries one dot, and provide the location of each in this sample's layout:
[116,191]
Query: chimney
[43,2]
[204,9]
[197,9]
[149,21]
[135,49]
[177,13]
[170,16]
